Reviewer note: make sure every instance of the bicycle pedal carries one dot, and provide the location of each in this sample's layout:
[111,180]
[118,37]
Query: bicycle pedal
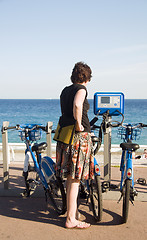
[30,168]
[25,193]
[135,193]
[141,181]
[131,200]
[104,190]
[105,186]
[120,198]
[32,191]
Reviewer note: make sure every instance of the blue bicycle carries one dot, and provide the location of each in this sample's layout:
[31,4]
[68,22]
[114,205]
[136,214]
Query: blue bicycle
[128,132]
[43,169]
[91,188]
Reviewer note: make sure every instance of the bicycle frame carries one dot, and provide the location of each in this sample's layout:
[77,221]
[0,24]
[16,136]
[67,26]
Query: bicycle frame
[126,166]
[43,168]
[37,164]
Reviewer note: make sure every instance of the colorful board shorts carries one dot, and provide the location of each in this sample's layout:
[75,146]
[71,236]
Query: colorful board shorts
[75,160]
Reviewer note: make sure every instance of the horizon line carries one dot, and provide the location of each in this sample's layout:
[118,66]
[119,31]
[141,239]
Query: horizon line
[59,98]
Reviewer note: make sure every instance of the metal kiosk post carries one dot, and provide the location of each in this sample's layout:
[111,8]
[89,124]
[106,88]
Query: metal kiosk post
[108,104]
[107,152]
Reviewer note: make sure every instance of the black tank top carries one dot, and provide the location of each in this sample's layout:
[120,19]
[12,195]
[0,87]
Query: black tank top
[66,102]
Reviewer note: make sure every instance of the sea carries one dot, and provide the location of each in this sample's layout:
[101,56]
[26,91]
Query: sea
[41,111]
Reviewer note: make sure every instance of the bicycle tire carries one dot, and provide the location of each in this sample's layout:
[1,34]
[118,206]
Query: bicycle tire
[56,194]
[126,198]
[96,198]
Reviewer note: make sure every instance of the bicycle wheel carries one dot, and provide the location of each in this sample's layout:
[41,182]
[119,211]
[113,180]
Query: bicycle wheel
[56,194]
[96,198]
[126,198]
[31,181]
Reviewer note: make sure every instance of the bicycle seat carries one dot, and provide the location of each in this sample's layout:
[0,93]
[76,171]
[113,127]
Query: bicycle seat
[129,146]
[39,147]
[94,139]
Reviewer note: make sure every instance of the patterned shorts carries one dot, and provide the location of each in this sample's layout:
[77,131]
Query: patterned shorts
[75,160]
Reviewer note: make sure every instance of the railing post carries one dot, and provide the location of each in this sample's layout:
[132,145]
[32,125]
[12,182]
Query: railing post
[5,149]
[49,139]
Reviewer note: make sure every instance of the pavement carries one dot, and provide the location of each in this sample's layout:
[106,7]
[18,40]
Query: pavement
[30,218]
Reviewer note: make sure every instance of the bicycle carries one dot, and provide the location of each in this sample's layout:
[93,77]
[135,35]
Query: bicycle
[128,132]
[91,189]
[43,171]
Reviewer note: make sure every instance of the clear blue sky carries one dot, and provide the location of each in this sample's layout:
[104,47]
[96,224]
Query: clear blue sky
[41,40]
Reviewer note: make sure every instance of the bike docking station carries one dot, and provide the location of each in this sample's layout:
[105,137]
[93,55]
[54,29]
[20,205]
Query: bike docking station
[107,105]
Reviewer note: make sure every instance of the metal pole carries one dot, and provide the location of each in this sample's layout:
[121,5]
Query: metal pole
[5,149]
[49,139]
[107,153]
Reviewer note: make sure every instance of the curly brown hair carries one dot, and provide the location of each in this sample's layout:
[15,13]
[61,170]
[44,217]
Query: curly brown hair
[81,73]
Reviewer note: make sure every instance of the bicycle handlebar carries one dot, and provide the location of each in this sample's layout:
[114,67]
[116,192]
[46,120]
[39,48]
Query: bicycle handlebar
[106,124]
[19,127]
[93,121]
[137,125]
[143,125]
[7,128]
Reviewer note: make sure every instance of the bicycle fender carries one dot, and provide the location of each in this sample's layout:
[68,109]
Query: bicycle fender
[96,168]
[48,166]
[129,165]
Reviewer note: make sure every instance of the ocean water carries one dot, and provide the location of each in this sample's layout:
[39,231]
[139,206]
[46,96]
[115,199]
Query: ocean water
[41,111]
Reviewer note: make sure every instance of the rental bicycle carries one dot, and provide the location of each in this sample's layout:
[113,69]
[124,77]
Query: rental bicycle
[42,172]
[91,189]
[128,132]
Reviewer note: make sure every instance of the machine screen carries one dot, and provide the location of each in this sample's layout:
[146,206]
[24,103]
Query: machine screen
[105,99]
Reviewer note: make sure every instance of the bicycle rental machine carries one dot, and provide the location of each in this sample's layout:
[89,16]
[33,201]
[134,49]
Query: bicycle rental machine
[108,104]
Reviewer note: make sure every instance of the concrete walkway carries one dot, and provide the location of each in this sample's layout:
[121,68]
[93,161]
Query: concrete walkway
[16,182]
[30,218]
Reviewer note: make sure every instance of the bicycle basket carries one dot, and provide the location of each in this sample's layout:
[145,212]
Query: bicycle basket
[121,132]
[34,135]
[135,133]
[22,135]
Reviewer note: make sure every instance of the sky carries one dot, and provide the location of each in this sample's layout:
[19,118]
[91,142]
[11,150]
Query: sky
[41,40]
